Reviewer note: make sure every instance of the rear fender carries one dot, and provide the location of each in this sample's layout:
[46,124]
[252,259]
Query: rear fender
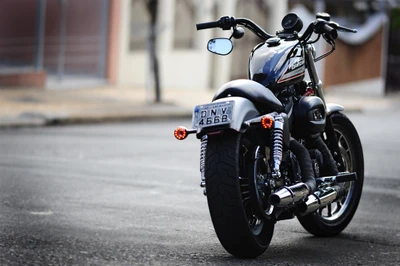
[243,110]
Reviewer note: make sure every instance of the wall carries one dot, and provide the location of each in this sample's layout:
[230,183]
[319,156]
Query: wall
[17,32]
[112,44]
[83,36]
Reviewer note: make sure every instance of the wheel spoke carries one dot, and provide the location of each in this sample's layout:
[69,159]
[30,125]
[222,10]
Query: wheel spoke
[321,210]
[329,210]
[340,141]
[339,206]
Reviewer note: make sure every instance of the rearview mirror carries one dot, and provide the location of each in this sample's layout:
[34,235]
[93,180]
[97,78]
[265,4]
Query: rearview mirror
[221,46]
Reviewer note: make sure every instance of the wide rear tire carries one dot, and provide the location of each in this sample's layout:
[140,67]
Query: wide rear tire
[334,218]
[241,232]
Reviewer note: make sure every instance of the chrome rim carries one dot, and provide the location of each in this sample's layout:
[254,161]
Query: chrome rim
[335,210]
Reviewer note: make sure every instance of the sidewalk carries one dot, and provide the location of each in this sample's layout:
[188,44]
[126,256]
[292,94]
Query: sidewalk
[37,107]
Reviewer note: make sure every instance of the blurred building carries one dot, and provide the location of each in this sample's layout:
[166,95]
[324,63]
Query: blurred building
[75,43]
[58,43]
[185,61]
[370,55]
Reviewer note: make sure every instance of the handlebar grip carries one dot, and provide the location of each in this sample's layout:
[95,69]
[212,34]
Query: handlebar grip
[331,31]
[207,25]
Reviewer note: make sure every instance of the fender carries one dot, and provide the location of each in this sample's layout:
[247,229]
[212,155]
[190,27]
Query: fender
[260,96]
[243,110]
[331,136]
[333,107]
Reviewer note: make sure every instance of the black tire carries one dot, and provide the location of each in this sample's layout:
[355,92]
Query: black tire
[324,226]
[228,197]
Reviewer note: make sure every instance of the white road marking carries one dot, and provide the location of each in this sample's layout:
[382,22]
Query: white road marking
[42,213]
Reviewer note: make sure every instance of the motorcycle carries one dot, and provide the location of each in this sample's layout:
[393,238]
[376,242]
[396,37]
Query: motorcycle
[271,147]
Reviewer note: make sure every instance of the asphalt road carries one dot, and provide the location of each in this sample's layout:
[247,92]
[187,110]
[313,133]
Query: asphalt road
[128,194]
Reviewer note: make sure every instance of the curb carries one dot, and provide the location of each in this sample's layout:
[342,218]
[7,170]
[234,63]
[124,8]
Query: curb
[115,118]
[40,120]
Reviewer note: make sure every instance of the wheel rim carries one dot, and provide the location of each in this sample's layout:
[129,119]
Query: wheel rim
[259,191]
[255,221]
[253,208]
[335,210]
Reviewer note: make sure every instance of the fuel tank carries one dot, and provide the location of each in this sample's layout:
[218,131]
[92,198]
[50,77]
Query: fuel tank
[277,63]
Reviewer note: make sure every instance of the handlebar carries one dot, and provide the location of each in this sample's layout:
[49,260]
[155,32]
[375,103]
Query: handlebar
[327,28]
[344,29]
[226,23]
[207,25]
[319,26]
[331,31]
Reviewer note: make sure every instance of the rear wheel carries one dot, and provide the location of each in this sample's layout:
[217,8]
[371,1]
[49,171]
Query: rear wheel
[334,218]
[237,221]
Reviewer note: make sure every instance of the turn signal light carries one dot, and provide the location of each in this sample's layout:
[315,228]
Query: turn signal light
[181,133]
[267,121]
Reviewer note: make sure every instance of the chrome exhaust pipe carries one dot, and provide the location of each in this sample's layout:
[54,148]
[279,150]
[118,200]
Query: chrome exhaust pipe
[320,199]
[289,195]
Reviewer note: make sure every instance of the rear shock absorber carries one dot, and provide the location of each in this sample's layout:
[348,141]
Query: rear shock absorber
[277,146]
[203,147]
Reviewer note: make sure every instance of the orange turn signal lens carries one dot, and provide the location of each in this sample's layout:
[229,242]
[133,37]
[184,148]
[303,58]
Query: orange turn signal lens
[180,133]
[267,121]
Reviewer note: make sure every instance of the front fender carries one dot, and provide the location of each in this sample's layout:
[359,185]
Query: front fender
[333,107]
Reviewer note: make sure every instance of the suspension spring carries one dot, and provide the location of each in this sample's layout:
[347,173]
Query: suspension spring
[203,147]
[277,146]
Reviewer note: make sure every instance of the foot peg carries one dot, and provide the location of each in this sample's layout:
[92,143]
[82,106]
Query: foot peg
[340,178]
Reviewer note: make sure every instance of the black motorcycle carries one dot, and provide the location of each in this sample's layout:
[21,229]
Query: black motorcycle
[271,148]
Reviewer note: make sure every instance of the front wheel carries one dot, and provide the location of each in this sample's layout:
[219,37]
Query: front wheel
[240,228]
[333,219]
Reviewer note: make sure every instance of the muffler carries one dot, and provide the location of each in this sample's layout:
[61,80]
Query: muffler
[289,195]
[321,198]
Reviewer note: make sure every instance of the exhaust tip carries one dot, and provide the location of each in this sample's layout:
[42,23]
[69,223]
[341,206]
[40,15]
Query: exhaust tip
[274,200]
[302,207]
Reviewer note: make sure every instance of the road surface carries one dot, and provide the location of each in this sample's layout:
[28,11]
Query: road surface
[128,194]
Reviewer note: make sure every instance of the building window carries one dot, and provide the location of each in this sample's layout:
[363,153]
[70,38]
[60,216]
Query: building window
[184,28]
[138,25]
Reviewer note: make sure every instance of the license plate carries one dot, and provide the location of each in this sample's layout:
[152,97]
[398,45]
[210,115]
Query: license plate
[213,114]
